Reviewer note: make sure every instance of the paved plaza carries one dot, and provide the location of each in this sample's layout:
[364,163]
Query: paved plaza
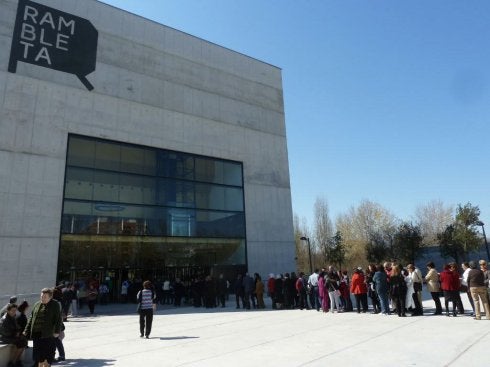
[228,337]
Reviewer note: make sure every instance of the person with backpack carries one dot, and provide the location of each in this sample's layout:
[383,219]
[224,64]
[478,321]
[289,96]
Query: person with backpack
[146,306]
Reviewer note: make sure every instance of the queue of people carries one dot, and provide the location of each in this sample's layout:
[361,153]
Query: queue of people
[390,287]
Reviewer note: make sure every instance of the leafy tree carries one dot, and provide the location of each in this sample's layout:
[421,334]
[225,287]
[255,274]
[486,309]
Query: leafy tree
[407,243]
[461,237]
[378,249]
[336,251]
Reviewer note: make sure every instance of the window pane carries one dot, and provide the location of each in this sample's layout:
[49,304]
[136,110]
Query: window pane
[232,174]
[79,183]
[138,160]
[106,186]
[107,156]
[81,152]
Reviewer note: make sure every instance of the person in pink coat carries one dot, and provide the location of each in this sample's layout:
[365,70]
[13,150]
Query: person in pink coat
[322,293]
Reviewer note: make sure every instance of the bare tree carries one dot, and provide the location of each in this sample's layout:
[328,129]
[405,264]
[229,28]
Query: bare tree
[360,225]
[301,229]
[323,227]
[432,219]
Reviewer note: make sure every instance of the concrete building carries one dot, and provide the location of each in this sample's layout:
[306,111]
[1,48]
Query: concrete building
[129,149]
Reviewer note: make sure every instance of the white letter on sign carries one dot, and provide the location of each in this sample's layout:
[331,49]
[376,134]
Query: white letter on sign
[62,39]
[48,18]
[63,22]
[43,54]
[26,48]
[28,32]
[30,12]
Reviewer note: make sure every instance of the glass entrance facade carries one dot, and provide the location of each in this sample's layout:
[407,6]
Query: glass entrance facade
[134,207]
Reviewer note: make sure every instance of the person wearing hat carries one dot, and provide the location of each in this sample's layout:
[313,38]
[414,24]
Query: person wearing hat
[476,285]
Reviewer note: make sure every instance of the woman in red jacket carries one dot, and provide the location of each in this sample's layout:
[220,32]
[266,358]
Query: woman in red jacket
[450,286]
[359,288]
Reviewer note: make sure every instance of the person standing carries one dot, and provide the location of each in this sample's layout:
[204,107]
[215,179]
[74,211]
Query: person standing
[416,280]
[358,288]
[398,289]
[372,289]
[147,304]
[43,326]
[332,283]
[239,291]
[270,289]
[380,280]
[476,285]
[92,298]
[222,288]
[314,295]
[248,288]
[450,286]
[486,273]
[259,291]
[301,289]
[433,286]
[464,284]
[166,293]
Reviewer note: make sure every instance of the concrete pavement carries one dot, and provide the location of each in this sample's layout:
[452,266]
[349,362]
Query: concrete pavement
[228,337]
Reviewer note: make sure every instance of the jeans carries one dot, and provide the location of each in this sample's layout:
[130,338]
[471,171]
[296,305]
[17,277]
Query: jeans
[384,302]
[334,300]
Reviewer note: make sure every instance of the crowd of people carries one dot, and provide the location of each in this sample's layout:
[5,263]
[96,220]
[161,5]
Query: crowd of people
[389,288]
[44,326]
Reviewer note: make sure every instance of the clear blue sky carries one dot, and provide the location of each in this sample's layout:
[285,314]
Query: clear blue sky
[385,100]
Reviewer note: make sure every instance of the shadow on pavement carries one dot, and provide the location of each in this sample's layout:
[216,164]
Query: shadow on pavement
[179,337]
[86,363]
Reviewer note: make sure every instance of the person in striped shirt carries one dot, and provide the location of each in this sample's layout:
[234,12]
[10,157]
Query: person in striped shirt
[147,304]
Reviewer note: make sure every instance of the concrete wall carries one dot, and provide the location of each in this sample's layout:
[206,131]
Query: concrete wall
[154,86]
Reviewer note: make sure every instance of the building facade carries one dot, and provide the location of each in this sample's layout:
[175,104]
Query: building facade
[130,149]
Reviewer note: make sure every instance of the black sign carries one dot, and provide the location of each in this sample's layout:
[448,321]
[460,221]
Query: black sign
[54,39]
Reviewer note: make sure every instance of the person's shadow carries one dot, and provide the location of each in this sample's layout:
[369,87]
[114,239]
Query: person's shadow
[87,362]
[178,337]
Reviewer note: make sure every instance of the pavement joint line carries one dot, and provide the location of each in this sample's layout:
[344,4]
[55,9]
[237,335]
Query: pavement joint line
[355,344]
[322,327]
[472,344]
[192,339]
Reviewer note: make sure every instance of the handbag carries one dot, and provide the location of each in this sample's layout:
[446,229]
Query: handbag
[417,286]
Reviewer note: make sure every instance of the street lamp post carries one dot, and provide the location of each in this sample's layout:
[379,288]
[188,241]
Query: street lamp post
[480,223]
[309,251]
